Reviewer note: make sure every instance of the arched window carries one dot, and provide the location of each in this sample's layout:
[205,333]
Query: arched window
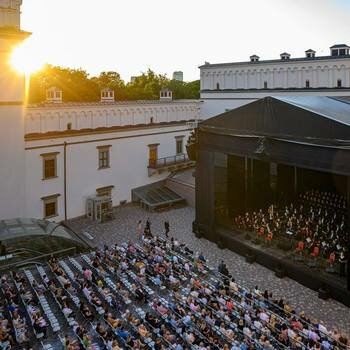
[339,83]
[307,83]
[69,126]
[151,120]
[217,86]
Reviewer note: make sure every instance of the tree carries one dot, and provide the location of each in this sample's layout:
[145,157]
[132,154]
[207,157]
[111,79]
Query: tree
[74,83]
[77,86]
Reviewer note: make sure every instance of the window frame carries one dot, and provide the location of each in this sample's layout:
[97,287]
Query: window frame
[53,199]
[105,191]
[49,157]
[179,139]
[104,162]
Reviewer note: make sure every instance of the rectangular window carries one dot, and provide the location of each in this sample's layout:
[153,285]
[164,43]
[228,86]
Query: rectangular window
[179,145]
[103,157]
[307,84]
[265,84]
[49,165]
[153,154]
[50,206]
[104,191]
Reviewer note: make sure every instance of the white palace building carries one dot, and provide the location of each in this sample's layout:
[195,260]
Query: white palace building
[56,155]
[225,86]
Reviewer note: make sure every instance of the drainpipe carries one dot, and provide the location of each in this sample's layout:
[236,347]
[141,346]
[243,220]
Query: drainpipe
[65,180]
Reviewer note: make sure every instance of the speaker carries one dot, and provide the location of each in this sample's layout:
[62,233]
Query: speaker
[220,244]
[323,293]
[250,258]
[279,272]
[285,244]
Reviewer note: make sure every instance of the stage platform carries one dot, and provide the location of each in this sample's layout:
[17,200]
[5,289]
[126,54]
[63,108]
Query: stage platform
[274,259]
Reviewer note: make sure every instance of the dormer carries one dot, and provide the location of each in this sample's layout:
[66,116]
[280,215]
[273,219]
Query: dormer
[54,95]
[310,53]
[107,95]
[285,56]
[166,95]
[254,58]
[340,50]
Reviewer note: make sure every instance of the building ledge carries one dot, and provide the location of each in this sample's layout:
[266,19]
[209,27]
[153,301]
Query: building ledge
[304,89]
[102,130]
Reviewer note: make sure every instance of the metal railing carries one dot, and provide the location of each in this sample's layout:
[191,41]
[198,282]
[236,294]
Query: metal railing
[166,161]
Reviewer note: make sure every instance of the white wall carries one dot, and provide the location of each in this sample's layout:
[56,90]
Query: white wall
[45,118]
[286,74]
[128,161]
[12,168]
[217,102]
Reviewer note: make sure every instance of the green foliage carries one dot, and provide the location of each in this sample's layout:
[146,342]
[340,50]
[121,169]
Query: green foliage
[77,86]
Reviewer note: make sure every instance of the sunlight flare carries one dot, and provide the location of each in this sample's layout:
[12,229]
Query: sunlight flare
[26,59]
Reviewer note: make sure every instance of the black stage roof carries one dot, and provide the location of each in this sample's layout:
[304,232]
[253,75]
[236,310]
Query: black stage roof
[305,131]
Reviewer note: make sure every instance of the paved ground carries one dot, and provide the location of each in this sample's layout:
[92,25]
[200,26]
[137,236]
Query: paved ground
[124,228]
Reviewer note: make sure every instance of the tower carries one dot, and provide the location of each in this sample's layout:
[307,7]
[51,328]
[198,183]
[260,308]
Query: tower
[12,129]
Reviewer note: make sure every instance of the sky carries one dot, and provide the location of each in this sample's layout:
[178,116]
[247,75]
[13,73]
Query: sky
[130,36]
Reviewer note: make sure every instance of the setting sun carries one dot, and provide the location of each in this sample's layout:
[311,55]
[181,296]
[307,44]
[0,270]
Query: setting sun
[26,59]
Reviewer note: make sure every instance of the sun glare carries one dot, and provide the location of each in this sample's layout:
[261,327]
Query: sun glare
[26,59]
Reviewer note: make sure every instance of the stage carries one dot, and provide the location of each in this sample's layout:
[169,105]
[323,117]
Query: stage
[275,151]
[275,259]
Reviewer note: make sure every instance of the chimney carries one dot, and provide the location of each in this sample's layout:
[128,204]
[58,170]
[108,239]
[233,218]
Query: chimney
[166,95]
[107,95]
[54,95]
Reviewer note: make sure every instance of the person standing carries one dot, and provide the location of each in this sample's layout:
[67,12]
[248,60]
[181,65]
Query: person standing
[167,228]
[148,226]
[139,227]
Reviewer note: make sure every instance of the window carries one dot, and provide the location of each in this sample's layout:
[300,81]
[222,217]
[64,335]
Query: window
[103,157]
[50,206]
[334,52]
[339,83]
[307,83]
[217,86]
[265,84]
[153,154]
[69,126]
[151,120]
[49,165]
[179,144]
[105,191]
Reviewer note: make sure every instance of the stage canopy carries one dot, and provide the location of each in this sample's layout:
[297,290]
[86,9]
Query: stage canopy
[306,131]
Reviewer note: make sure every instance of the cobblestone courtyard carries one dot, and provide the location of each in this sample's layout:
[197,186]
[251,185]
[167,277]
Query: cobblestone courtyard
[124,228]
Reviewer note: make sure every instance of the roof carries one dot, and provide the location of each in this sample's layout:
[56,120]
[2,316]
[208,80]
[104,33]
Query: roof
[339,46]
[315,119]
[297,59]
[22,227]
[285,54]
[46,104]
[310,50]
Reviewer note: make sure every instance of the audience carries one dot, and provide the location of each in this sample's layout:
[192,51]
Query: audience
[157,294]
